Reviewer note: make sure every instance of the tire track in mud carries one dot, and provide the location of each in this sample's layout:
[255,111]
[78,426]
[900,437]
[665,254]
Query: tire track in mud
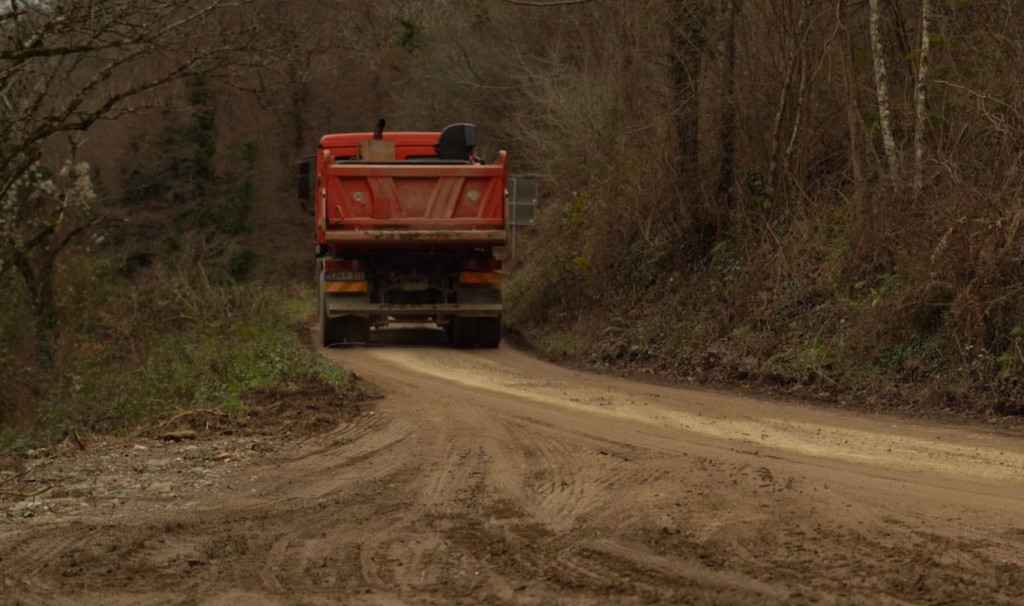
[570,480]
[531,536]
[356,440]
[566,481]
[294,526]
[353,466]
[451,475]
[319,470]
[32,554]
[383,547]
[537,524]
[499,481]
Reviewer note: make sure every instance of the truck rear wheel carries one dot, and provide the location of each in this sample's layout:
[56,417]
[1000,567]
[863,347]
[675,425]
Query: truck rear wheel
[354,329]
[489,332]
[462,332]
[331,332]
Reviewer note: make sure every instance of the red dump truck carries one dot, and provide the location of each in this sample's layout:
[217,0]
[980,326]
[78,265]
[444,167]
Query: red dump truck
[406,229]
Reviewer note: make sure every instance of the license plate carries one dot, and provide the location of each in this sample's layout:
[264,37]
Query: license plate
[345,276]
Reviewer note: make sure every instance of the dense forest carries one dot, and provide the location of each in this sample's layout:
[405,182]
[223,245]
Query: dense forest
[817,196]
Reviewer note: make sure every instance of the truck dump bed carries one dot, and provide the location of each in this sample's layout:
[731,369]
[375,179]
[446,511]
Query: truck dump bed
[415,198]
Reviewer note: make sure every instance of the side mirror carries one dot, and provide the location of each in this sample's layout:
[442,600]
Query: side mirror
[303,185]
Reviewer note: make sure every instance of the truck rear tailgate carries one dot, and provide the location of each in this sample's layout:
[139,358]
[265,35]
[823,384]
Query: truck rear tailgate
[403,202]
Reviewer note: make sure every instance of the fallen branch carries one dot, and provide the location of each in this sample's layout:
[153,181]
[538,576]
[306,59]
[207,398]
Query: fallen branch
[162,425]
[27,470]
[29,495]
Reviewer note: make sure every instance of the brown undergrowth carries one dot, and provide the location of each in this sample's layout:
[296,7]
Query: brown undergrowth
[915,310]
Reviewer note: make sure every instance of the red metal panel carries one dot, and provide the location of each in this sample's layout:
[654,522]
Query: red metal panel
[385,198]
[386,204]
[444,198]
[380,194]
[406,144]
[382,238]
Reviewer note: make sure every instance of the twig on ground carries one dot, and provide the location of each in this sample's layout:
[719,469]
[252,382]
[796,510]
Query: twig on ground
[27,470]
[31,494]
[75,438]
[162,425]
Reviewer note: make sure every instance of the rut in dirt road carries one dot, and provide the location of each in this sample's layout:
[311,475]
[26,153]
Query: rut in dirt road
[490,477]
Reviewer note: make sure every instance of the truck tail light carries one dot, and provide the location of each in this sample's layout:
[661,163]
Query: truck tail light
[479,277]
[337,265]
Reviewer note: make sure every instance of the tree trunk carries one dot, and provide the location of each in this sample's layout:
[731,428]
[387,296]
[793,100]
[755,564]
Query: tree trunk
[919,98]
[39,282]
[783,103]
[882,91]
[801,96]
[685,61]
[727,120]
[298,95]
[855,126]
[688,20]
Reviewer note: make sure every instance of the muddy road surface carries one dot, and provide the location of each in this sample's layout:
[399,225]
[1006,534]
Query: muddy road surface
[491,477]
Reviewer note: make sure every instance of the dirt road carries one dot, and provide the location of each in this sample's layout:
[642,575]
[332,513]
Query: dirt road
[491,477]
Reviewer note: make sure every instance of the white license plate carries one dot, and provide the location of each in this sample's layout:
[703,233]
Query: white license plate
[345,276]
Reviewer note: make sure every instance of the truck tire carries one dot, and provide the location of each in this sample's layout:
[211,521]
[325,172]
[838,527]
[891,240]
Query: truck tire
[329,328]
[475,332]
[489,332]
[463,332]
[354,329]
[321,308]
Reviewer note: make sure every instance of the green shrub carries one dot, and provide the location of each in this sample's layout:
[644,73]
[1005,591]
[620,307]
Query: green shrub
[132,351]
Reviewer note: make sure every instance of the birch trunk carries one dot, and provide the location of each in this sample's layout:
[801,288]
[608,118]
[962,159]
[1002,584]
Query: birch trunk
[798,115]
[882,91]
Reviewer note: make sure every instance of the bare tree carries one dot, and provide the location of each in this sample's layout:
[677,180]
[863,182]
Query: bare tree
[63,67]
[785,94]
[33,214]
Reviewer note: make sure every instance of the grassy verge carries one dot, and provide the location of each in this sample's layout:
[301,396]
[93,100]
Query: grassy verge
[137,351]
